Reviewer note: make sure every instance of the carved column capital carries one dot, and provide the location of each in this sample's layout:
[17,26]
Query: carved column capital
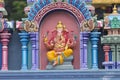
[106,48]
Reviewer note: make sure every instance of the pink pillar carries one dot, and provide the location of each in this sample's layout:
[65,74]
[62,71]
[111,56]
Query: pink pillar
[106,50]
[4,40]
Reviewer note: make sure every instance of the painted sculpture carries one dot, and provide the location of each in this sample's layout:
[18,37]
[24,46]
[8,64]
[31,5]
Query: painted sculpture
[60,45]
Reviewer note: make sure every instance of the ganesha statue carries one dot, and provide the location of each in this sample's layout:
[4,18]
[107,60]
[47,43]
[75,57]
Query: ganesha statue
[60,45]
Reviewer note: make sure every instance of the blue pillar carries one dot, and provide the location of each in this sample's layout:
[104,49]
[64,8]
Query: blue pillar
[24,41]
[94,40]
[110,55]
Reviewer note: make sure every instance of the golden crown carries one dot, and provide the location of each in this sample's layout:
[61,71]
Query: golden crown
[60,25]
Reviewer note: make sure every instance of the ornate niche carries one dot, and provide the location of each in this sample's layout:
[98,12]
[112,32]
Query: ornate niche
[48,17]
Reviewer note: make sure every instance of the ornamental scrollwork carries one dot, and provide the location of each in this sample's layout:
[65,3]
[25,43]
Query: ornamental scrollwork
[87,25]
[30,26]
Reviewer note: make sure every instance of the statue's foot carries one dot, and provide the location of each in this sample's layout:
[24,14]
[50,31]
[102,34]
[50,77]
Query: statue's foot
[55,63]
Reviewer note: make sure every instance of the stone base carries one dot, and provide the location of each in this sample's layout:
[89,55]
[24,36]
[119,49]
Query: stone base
[67,65]
[61,75]
[60,67]
[118,65]
[109,65]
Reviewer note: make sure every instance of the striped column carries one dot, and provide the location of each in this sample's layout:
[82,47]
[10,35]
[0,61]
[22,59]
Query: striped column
[34,54]
[85,37]
[94,40]
[24,41]
[108,63]
[106,49]
[5,40]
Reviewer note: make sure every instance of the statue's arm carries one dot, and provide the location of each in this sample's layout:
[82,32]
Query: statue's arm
[49,44]
[71,43]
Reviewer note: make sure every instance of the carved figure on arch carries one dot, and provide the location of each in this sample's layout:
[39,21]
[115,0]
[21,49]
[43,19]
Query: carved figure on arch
[87,25]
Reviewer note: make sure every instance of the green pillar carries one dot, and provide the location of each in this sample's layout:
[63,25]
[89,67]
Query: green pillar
[89,55]
[29,55]
[118,52]
[112,46]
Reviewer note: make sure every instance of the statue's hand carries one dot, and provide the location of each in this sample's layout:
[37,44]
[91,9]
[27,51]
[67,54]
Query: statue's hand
[45,39]
[51,43]
[70,42]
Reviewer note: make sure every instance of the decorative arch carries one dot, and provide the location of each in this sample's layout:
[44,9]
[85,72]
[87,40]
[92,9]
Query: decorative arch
[75,6]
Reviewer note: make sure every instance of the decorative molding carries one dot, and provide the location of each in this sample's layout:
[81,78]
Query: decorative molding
[110,39]
[56,6]
[61,75]
[105,1]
